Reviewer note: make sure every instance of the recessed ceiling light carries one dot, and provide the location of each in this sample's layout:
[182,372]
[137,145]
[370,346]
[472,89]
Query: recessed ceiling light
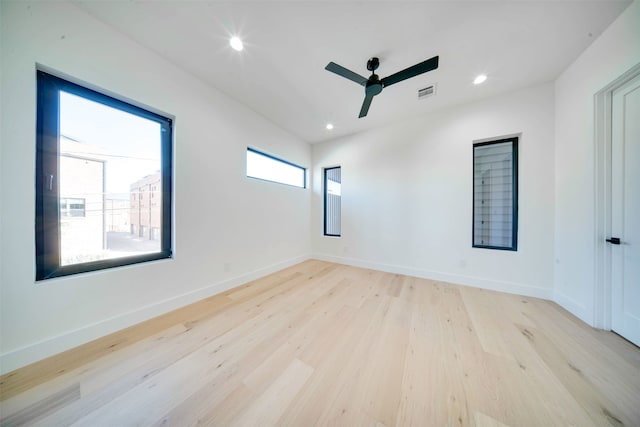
[481,78]
[329,126]
[236,43]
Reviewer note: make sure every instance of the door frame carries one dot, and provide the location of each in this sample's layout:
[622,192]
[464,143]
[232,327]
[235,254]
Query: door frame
[602,315]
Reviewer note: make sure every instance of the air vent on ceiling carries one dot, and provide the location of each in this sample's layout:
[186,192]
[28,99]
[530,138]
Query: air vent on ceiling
[427,91]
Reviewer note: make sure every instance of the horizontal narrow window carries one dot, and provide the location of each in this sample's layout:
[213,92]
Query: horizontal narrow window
[269,168]
[332,201]
[103,181]
[495,194]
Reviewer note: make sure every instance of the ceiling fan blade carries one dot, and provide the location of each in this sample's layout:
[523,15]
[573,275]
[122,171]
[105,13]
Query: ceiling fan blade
[407,73]
[365,106]
[341,71]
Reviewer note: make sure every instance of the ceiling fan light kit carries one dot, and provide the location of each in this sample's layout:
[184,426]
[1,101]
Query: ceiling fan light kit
[374,85]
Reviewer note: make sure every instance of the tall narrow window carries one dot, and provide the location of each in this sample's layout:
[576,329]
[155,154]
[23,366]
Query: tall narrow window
[98,162]
[332,198]
[495,194]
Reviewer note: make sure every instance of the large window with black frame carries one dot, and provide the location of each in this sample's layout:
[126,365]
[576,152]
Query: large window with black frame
[103,180]
[495,194]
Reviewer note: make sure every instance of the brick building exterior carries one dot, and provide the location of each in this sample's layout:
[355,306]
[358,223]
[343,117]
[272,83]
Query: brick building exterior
[146,202]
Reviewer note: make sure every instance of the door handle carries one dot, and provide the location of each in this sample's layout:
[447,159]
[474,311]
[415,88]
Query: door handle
[614,240]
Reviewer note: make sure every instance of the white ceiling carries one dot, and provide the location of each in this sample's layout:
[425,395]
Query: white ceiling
[280,74]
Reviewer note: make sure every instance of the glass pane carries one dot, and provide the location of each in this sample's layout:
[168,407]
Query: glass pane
[493,195]
[333,198]
[264,167]
[110,186]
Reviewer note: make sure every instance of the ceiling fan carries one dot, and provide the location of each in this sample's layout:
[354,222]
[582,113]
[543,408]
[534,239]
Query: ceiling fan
[374,85]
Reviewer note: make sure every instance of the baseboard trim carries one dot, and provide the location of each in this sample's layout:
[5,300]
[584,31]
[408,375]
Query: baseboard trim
[24,356]
[573,307]
[476,282]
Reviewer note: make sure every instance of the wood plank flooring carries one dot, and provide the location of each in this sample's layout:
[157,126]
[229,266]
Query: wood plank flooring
[328,344]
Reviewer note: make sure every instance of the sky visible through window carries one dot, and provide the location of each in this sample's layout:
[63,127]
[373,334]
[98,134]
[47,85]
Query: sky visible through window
[333,187]
[270,169]
[130,144]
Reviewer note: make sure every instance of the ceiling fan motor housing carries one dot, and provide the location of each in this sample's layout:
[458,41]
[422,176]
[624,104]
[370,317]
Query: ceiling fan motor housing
[374,86]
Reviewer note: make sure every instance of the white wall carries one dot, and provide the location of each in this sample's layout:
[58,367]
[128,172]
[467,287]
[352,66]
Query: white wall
[614,52]
[220,215]
[407,195]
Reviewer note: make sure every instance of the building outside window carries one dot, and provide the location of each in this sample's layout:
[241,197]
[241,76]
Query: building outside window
[145,212]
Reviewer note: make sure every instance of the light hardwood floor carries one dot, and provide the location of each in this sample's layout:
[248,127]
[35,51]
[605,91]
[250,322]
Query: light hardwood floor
[327,344]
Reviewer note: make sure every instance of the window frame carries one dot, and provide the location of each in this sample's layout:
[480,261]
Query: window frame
[269,156]
[514,193]
[325,194]
[47,212]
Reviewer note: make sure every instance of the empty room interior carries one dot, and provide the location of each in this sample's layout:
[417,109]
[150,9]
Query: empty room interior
[175,249]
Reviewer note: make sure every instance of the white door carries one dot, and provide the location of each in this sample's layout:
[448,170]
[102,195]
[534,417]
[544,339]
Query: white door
[625,210]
